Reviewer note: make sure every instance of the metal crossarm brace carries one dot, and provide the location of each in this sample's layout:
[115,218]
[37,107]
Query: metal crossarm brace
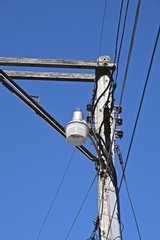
[30,102]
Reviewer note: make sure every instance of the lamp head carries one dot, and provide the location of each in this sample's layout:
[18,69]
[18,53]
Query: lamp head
[77,130]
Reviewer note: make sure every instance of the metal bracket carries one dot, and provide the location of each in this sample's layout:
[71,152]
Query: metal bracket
[104,61]
[30,102]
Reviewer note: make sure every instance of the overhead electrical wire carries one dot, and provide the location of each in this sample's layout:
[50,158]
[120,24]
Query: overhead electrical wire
[131,204]
[130,50]
[85,198]
[123,88]
[129,54]
[102,29]
[118,30]
[141,102]
[93,234]
[137,117]
[102,94]
[109,165]
[121,42]
[55,196]
[95,90]
[99,52]
[97,132]
[126,71]
[127,189]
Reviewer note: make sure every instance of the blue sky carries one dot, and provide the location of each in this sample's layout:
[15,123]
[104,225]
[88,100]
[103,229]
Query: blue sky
[34,156]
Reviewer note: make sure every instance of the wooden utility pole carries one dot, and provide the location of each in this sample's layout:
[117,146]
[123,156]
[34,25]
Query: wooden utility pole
[108,219]
[109,224]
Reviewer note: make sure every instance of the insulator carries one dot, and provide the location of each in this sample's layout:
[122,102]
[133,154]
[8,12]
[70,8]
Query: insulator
[89,107]
[119,121]
[89,119]
[91,131]
[96,221]
[119,154]
[118,109]
[118,133]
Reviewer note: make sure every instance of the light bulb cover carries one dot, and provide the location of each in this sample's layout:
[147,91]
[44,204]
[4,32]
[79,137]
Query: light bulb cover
[77,132]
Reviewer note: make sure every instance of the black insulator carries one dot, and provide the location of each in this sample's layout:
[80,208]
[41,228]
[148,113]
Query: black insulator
[119,133]
[88,119]
[89,107]
[118,109]
[119,121]
[114,86]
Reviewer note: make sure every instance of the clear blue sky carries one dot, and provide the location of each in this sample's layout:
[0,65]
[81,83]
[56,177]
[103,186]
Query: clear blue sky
[33,156]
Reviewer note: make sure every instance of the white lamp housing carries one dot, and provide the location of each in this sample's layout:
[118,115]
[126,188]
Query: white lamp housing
[77,130]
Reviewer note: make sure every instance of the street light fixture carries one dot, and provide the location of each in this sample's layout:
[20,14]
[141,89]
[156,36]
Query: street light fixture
[77,129]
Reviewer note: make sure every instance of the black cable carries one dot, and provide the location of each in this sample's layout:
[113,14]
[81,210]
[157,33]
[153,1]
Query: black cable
[121,42]
[118,29]
[93,234]
[95,134]
[99,129]
[93,107]
[130,50]
[55,196]
[101,96]
[127,67]
[94,104]
[137,118]
[123,86]
[124,82]
[141,102]
[101,35]
[107,131]
[131,203]
[74,221]
[128,192]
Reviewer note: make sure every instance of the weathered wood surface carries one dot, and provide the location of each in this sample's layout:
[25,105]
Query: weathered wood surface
[32,62]
[51,76]
[52,63]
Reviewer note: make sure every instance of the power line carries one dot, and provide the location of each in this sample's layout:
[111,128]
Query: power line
[130,50]
[127,189]
[123,88]
[131,203]
[99,51]
[118,29]
[102,29]
[55,196]
[81,206]
[141,102]
[126,70]
[137,118]
[93,234]
[121,42]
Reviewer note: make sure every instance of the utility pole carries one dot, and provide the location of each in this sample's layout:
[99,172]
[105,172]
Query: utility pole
[108,204]
[108,208]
